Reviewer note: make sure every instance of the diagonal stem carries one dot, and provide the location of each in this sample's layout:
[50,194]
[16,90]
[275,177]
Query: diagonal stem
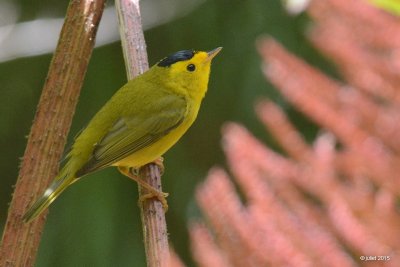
[49,130]
[152,212]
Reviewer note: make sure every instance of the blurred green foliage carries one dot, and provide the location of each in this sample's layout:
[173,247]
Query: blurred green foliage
[96,222]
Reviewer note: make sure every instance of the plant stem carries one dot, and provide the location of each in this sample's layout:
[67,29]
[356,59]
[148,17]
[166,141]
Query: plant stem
[49,130]
[152,213]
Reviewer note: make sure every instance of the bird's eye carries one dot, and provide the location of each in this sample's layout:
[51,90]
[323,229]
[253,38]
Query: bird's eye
[191,67]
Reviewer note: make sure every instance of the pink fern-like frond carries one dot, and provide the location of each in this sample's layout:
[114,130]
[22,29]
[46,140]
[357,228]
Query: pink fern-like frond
[329,203]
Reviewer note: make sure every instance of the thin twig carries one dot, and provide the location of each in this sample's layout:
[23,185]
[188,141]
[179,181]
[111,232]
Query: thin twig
[152,213]
[50,128]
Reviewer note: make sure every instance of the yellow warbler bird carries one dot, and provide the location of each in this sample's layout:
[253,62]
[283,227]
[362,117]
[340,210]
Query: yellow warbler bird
[143,119]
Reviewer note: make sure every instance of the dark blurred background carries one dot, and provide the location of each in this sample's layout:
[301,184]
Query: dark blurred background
[96,222]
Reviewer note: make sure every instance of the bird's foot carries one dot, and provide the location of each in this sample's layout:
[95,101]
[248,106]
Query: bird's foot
[160,163]
[152,191]
[161,196]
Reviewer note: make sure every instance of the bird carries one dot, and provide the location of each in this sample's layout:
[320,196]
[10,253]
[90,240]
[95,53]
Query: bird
[137,125]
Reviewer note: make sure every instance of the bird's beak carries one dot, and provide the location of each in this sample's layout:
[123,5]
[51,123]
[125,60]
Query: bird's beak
[211,54]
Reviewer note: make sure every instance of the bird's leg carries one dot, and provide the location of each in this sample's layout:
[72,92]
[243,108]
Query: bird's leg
[153,192]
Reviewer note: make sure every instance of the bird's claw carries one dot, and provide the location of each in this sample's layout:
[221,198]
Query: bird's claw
[152,192]
[160,163]
[161,196]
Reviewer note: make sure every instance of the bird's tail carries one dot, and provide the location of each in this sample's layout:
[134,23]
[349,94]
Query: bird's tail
[60,183]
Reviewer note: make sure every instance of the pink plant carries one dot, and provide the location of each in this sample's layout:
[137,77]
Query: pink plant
[332,202]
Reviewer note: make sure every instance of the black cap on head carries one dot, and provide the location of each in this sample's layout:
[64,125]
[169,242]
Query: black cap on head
[178,56]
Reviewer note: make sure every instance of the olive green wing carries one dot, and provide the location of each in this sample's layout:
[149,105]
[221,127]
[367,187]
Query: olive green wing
[132,133]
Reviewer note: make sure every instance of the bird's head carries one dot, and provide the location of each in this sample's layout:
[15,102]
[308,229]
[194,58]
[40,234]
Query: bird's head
[187,71]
